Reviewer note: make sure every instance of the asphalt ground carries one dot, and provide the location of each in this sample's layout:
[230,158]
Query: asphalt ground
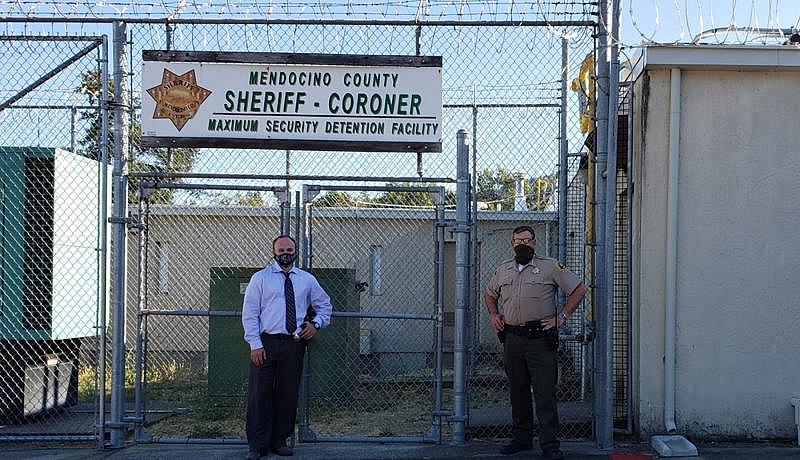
[361,451]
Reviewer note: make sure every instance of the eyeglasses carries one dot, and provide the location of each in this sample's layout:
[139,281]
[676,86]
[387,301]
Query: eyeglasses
[517,241]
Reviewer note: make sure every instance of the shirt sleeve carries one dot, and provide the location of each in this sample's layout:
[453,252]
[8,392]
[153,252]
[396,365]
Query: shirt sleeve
[492,289]
[319,299]
[565,279]
[251,313]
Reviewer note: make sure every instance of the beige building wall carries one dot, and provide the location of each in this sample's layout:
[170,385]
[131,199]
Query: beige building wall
[737,250]
[190,241]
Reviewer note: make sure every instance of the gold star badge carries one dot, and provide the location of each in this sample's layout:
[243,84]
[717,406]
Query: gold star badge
[178,97]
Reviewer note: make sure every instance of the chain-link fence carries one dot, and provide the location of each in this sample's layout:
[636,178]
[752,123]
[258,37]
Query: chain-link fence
[202,219]
[53,246]
[623,418]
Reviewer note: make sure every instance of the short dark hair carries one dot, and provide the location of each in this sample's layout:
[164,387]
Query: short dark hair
[524,228]
[283,236]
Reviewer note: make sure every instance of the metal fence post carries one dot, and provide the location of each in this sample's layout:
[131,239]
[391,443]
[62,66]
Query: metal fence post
[304,433]
[611,213]
[120,198]
[103,252]
[603,317]
[462,285]
[436,429]
[563,147]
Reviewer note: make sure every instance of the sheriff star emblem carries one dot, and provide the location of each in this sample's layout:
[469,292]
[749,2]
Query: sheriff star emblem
[178,97]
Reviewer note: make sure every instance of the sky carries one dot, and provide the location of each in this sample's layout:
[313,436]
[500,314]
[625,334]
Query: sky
[669,21]
[642,21]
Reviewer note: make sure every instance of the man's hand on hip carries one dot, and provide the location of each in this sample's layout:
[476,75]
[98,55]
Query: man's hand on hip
[498,322]
[308,332]
[258,356]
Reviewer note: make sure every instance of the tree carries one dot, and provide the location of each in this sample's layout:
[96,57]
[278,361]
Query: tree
[500,187]
[334,199]
[413,199]
[144,159]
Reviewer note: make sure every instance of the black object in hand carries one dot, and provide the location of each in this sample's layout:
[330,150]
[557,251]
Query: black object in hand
[310,315]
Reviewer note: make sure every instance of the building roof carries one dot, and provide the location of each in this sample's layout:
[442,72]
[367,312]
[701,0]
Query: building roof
[716,57]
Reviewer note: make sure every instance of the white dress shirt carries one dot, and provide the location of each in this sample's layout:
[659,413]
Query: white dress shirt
[264,309]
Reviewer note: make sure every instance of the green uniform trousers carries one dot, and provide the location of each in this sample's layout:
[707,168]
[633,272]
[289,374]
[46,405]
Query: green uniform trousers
[532,362]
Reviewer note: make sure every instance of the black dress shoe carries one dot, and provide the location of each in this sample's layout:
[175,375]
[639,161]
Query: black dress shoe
[554,454]
[282,449]
[515,447]
[253,455]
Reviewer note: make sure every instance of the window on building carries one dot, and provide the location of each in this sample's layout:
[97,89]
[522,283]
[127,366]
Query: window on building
[162,270]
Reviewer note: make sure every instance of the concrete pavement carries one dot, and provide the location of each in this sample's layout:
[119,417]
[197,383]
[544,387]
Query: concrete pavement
[362,451]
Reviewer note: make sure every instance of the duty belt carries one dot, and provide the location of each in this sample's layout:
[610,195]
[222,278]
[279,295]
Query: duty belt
[531,329]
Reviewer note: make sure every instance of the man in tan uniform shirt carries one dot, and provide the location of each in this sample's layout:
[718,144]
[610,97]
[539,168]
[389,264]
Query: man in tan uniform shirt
[529,323]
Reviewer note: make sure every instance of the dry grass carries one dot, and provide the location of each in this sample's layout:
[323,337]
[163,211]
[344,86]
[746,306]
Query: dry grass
[397,407]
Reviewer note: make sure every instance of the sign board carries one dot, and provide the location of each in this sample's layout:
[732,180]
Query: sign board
[292,101]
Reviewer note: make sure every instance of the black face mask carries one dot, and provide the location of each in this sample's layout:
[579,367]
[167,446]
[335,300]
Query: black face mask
[285,260]
[523,253]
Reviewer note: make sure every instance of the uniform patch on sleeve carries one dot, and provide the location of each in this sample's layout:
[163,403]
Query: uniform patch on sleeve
[559,265]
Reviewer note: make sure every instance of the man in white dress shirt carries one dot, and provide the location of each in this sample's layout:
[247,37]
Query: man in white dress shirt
[277,324]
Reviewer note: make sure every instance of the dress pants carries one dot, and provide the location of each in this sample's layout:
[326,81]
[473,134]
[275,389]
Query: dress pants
[272,392]
[532,362]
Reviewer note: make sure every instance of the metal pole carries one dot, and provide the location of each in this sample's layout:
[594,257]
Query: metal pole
[563,147]
[103,253]
[73,115]
[303,428]
[438,350]
[611,212]
[603,353]
[286,212]
[286,205]
[462,285]
[120,198]
[297,219]
[140,256]
[472,308]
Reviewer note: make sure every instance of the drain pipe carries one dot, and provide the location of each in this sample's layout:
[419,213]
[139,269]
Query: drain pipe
[672,445]
[672,248]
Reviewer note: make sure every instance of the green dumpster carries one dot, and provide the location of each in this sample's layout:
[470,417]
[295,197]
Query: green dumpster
[228,353]
[333,354]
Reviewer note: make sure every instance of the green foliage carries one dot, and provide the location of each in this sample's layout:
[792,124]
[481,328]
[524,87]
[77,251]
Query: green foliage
[499,187]
[334,199]
[144,159]
[252,199]
[390,198]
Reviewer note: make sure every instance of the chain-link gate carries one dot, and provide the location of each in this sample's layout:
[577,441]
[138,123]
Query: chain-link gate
[188,358]
[379,370]
[201,219]
[53,241]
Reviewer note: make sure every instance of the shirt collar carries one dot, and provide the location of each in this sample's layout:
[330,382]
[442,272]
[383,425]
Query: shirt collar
[277,268]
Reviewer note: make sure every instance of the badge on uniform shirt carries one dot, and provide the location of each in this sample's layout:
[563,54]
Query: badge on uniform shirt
[535,270]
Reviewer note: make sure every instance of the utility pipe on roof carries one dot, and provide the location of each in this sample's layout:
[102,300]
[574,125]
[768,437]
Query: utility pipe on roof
[672,246]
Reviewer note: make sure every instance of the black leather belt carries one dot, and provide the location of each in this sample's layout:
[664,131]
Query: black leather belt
[531,329]
[278,336]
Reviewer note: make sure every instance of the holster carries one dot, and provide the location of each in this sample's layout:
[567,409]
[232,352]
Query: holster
[533,330]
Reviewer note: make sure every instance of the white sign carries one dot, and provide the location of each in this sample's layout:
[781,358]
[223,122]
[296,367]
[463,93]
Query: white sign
[319,107]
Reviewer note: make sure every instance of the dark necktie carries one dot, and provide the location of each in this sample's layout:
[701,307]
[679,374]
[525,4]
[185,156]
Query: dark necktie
[288,293]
